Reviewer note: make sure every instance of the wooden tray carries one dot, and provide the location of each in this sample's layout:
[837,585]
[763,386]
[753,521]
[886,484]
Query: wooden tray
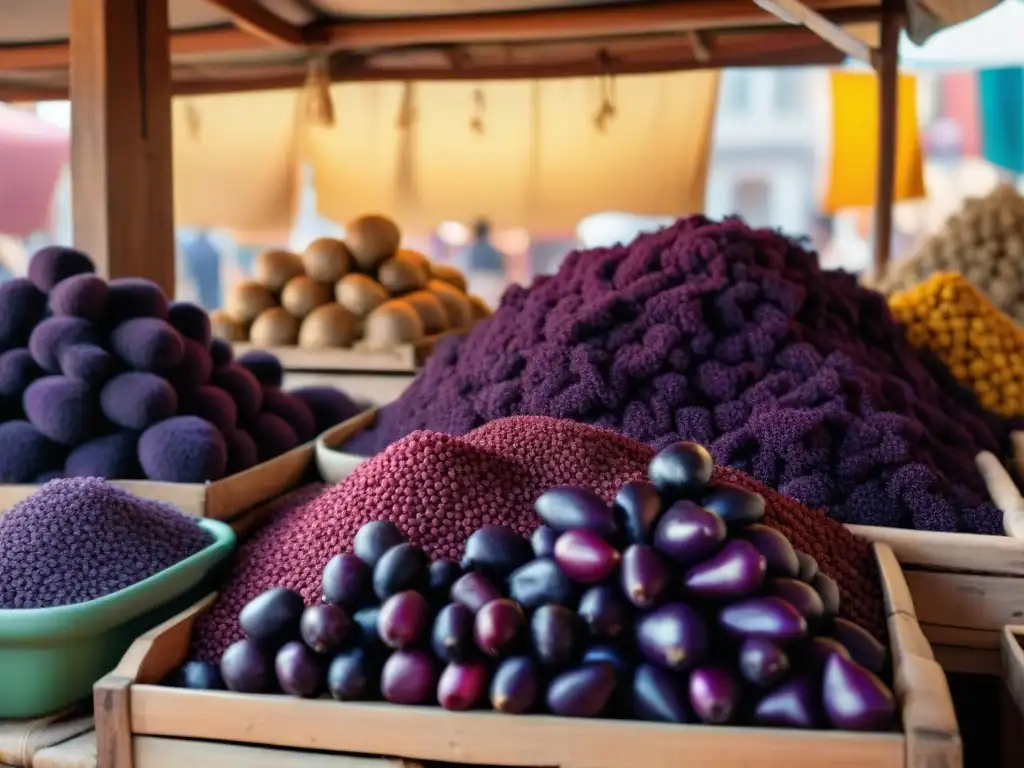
[1012,713]
[142,725]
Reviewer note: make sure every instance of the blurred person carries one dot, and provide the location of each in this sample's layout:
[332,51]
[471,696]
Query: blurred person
[484,265]
[202,263]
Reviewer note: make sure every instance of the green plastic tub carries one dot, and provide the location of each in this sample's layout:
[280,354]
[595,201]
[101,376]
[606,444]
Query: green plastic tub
[50,657]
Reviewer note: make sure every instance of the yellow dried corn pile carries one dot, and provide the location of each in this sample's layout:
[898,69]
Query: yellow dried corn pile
[982,347]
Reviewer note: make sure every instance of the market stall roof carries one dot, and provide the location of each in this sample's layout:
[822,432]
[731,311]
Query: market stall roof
[233,45]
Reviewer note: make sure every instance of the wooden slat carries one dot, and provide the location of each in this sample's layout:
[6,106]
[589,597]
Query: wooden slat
[828,31]
[888,84]
[253,17]
[966,600]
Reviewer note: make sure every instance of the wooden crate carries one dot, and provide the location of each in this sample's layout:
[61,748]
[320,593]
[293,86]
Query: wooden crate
[23,743]
[142,725]
[1012,709]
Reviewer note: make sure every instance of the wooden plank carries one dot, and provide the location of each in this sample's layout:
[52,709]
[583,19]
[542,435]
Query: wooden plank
[949,551]
[966,600]
[79,752]
[796,11]
[111,707]
[968,661]
[1012,705]
[253,17]
[401,359]
[156,752]
[888,83]
[962,637]
[121,177]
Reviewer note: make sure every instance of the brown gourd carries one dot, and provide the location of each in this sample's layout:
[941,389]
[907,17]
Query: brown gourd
[401,275]
[430,309]
[372,240]
[224,326]
[247,300]
[481,309]
[329,326]
[448,274]
[456,304]
[275,327]
[359,294]
[327,260]
[304,294]
[274,268]
[392,323]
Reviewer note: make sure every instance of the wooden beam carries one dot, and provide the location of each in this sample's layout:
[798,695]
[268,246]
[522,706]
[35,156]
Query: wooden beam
[888,117]
[798,11]
[122,203]
[253,17]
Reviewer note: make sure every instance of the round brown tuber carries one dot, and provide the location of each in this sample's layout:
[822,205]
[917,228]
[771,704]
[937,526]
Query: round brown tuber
[304,294]
[481,309]
[359,294]
[456,304]
[247,300]
[274,268]
[372,240]
[430,309]
[392,323]
[329,326]
[327,260]
[448,274]
[275,327]
[401,275]
[224,326]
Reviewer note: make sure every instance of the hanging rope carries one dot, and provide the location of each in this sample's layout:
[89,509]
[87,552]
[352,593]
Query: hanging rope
[405,167]
[476,120]
[607,111]
[192,120]
[319,105]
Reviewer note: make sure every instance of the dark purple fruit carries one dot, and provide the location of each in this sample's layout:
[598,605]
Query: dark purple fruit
[364,627]
[808,567]
[498,626]
[516,685]
[637,507]
[441,576]
[770,618]
[401,568]
[351,676]
[540,582]
[687,533]
[736,505]
[566,509]
[543,541]
[605,611]
[862,645]
[462,686]
[793,704]
[403,619]
[496,550]
[581,692]
[585,557]
[299,670]
[556,635]
[735,572]
[606,654]
[801,596]
[408,677]
[246,668]
[200,676]
[374,539]
[272,618]
[645,575]
[348,582]
[673,636]
[681,470]
[324,627]
[474,590]
[778,552]
[829,592]
[452,635]
[819,650]
[659,695]
[762,662]
[854,699]
[714,694]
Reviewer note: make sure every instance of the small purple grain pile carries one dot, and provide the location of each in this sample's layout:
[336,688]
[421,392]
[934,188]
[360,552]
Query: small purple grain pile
[736,339]
[78,539]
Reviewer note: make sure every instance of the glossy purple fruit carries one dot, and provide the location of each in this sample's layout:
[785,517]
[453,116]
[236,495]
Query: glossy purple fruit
[778,552]
[736,571]
[272,618]
[637,507]
[771,618]
[681,469]
[200,676]
[496,550]
[792,704]
[541,582]
[605,611]
[829,592]
[734,504]
[659,695]
[364,628]
[299,670]
[498,627]
[408,677]
[403,619]
[714,694]
[862,645]
[401,568]
[565,509]
[801,596]
[607,654]
[644,575]
[351,676]
[474,590]
[516,685]
[452,635]
[673,636]
[762,662]
[543,541]
[581,692]
[556,635]
[440,576]
[246,668]
[687,533]
[324,627]
[585,557]
[855,699]
[819,650]
[462,686]
[347,582]
[808,567]
[374,539]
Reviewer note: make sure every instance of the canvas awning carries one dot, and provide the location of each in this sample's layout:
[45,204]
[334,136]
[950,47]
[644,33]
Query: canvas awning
[32,154]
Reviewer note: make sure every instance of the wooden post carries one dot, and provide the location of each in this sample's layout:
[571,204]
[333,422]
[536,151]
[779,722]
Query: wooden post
[122,202]
[888,92]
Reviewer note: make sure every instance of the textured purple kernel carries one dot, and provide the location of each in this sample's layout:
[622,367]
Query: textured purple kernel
[293,410]
[213,405]
[55,263]
[89,363]
[195,367]
[242,452]
[183,449]
[21,307]
[191,321]
[112,457]
[17,371]
[148,344]
[264,366]
[243,387]
[26,453]
[53,335]
[136,400]
[130,297]
[221,353]
[83,296]
[272,435]
[330,406]
[63,409]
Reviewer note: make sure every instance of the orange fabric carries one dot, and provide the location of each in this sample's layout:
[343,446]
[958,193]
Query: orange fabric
[855,142]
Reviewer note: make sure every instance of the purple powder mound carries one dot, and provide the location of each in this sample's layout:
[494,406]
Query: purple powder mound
[734,338]
[17,371]
[88,363]
[330,406]
[191,321]
[195,367]
[135,297]
[213,405]
[264,366]
[79,539]
[148,344]
[184,449]
[63,409]
[25,453]
[272,435]
[55,263]
[293,410]
[221,353]
[242,452]
[137,400]
[83,296]
[243,387]
[50,338]
[113,457]
[21,307]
